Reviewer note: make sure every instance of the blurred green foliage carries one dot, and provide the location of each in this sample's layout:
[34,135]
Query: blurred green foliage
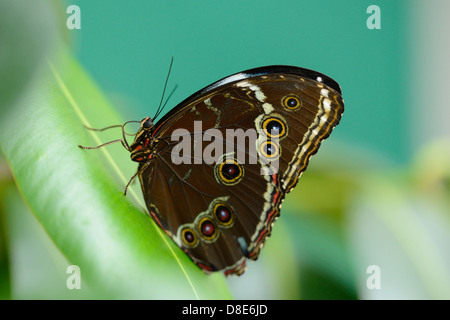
[61,206]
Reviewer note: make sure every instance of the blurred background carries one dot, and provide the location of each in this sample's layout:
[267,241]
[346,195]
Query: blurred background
[370,218]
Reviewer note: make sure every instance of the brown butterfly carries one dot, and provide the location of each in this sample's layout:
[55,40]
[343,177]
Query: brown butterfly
[215,169]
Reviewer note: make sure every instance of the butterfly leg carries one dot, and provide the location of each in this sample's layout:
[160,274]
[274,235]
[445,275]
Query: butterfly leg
[123,140]
[104,144]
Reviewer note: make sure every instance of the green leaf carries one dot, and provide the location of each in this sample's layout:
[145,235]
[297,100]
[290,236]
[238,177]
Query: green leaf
[323,257]
[37,267]
[28,31]
[77,195]
[406,235]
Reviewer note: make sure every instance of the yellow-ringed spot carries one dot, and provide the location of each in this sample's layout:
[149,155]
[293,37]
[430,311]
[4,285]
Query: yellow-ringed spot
[291,102]
[189,237]
[207,228]
[224,215]
[269,150]
[274,128]
[229,171]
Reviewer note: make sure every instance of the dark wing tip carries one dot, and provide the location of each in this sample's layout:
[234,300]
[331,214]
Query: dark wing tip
[305,73]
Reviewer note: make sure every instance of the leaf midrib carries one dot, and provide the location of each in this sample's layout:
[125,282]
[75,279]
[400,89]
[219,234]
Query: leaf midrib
[80,114]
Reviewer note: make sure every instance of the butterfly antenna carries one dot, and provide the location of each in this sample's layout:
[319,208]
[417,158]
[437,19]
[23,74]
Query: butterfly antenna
[168,98]
[158,111]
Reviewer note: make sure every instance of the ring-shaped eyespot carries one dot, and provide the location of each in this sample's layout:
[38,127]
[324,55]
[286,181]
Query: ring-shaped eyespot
[274,127]
[189,237]
[207,229]
[223,214]
[291,102]
[229,172]
[269,150]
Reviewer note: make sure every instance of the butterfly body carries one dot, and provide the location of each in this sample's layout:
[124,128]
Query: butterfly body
[249,137]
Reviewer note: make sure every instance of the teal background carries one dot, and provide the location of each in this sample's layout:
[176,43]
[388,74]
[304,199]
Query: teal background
[127,48]
[377,193]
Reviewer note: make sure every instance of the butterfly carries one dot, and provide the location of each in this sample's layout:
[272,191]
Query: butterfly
[215,169]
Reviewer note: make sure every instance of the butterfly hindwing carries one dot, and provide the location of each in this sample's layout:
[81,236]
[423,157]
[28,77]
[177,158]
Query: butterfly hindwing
[219,206]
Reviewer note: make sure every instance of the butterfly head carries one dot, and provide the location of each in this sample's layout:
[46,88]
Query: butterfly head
[141,149]
[147,123]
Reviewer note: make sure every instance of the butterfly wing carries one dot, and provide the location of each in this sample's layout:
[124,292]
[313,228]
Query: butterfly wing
[219,203]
